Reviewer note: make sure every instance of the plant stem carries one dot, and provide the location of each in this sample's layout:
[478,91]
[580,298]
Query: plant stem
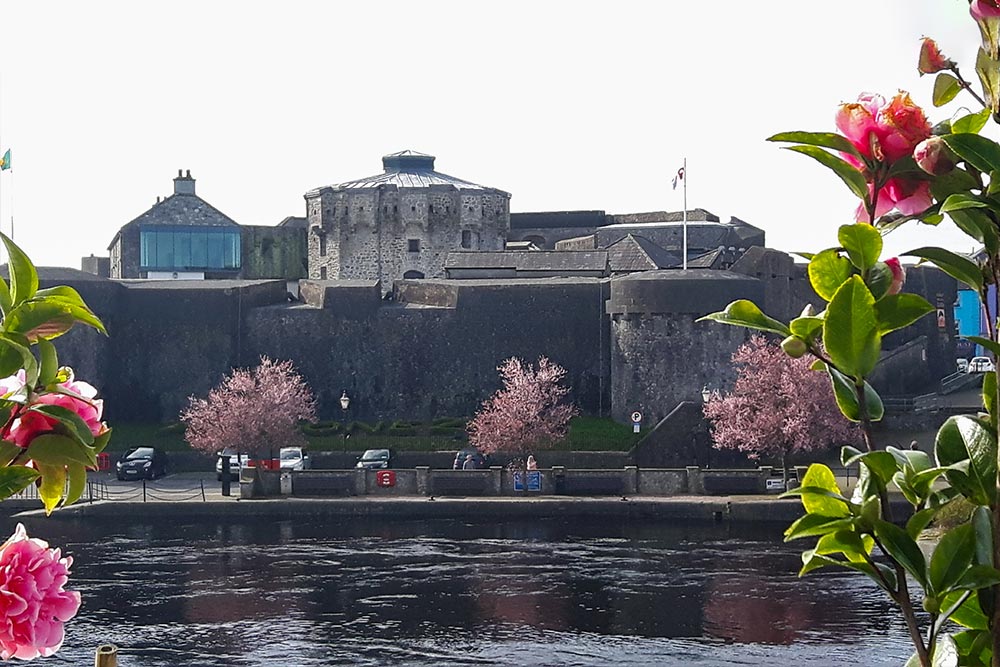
[966,85]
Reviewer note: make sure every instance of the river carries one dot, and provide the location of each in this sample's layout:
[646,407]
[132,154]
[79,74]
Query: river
[376,592]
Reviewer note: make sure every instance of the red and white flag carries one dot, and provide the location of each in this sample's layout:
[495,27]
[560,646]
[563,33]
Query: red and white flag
[678,177]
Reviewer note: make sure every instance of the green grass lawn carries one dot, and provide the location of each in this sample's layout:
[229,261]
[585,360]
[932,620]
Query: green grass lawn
[585,434]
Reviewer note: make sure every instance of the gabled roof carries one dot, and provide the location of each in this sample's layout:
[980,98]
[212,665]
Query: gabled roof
[181,210]
[529,260]
[636,253]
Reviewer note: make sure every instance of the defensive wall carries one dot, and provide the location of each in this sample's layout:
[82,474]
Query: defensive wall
[432,348]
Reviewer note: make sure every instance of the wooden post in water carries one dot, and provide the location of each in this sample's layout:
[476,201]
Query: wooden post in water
[106,656]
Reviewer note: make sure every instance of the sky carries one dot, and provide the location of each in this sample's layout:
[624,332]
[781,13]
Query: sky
[566,105]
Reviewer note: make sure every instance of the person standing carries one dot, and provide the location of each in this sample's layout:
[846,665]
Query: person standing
[532,464]
[470,463]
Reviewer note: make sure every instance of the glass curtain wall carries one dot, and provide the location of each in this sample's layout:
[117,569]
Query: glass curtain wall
[189,248]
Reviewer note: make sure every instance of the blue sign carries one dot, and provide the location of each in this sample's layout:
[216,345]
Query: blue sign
[534,480]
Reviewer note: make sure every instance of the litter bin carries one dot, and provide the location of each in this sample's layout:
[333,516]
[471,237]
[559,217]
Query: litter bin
[286,483]
[103,461]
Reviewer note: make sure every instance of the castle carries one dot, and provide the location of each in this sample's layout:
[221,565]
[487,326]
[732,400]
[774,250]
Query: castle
[376,315]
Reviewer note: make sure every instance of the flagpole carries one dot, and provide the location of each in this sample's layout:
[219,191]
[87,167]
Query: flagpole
[684,223]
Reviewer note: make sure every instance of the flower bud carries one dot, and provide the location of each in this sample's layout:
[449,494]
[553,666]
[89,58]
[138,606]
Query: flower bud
[931,60]
[794,347]
[933,156]
[984,9]
[898,275]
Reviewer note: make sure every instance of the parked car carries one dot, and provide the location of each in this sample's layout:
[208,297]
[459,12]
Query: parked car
[962,364]
[141,463]
[236,463]
[462,454]
[294,458]
[375,459]
[980,365]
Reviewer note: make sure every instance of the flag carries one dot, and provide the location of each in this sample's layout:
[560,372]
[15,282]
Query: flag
[5,161]
[678,177]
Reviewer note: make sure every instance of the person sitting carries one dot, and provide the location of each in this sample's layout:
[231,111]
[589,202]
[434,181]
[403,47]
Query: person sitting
[532,464]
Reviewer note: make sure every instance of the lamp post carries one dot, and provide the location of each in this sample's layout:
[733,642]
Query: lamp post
[706,394]
[345,402]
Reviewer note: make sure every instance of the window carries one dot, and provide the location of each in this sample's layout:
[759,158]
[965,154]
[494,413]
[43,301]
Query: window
[466,238]
[170,248]
[414,245]
[413,275]
[322,273]
[322,245]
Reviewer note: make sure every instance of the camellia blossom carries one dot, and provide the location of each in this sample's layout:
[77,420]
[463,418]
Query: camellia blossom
[30,424]
[984,9]
[898,275]
[933,156]
[885,132]
[33,602]
[931,59]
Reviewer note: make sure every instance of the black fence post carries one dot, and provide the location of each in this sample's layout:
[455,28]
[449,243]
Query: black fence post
[144,490]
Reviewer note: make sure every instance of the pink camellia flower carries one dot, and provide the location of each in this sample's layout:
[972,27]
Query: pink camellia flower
[984,9]
[898,275]
[931,60]
[933,156]
[880,130]
[30,424]
[33,603]
[907,196]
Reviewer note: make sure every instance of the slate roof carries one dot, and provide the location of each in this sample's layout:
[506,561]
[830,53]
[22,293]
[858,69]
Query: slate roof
[185,210]
[552,219]
[295,222]
[636,253]
[662,216]
[407,169]
[529,260]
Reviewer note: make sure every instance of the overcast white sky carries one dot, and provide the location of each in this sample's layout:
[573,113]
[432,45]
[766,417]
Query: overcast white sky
[567,105]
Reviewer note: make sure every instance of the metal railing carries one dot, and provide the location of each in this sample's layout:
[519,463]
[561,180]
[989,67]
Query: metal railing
[99,490]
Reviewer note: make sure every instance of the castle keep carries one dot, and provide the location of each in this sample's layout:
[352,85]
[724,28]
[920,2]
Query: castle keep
[401,223]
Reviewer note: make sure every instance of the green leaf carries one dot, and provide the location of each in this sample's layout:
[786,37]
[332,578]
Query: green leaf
[968,614]
[60,450]
[978,151]
[23,277]
[14,479]
[920,520]
[52,486]
[847,172]
[863,244]
[879,573]
[990,345]
[945,88]
[903,549]
[881,463]
[962,201]
[963,438]
[846,542]
[48,319]
[847,398]
[990,396]
[810,525]
[879,280]
[898,311]
[958,267]
[8,452]
[971,123]
[983,525]
[806,327]
[74,424]
[5,298]
[828,270]
[821,477]
[978,576]
[824,139]
[77,483]
[979,226]
[745,313]
[951,558]
[101,441]
[49,362]
[850,332]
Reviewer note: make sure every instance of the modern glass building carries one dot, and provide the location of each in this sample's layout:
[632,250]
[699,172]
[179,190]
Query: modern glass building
[177,248]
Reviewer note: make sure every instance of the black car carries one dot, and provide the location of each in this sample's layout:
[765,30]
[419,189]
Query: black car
[142,463]
[375,459]
[477,458]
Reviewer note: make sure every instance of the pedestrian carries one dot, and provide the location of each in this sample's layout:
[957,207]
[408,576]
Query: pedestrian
[470,463]
[532,464]
[914,446]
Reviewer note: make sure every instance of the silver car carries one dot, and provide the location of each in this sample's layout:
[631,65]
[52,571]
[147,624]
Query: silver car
[294,458]
[236,463]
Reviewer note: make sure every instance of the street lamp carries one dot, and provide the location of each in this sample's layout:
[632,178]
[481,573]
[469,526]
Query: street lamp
[706,394]
[345,402]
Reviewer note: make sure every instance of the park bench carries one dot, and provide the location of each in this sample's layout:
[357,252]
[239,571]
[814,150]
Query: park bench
[461,484]
[608,485]
[730,484]
[320,484]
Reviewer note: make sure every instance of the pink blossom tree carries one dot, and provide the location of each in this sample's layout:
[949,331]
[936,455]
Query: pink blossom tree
[252,409]
[527,413]
[778,406]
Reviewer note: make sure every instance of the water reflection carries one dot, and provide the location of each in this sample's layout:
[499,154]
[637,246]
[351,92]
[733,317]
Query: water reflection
[320,592]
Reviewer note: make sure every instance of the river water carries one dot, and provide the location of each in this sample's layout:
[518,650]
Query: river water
[374,592]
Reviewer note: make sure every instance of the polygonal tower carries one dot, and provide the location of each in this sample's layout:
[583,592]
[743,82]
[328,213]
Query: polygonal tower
[401,223]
